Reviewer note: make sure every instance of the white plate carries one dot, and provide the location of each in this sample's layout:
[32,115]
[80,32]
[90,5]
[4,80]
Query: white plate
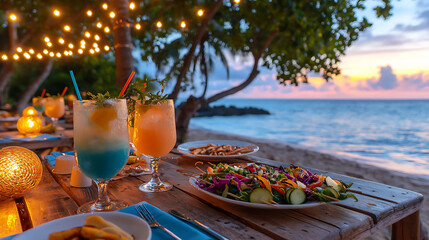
[184,149]
[9,119]
[129,223]
[193,180]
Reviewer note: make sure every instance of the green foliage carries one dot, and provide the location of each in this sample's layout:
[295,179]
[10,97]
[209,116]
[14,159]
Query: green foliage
[100,98]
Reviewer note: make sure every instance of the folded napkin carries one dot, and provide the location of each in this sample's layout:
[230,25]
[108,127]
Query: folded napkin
[51,158]
[5,140]
[42,137]
[177,226]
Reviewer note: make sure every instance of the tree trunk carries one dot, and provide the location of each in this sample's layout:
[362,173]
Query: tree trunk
[123,44]
[188,109]
[7,70]
[31,90]
[253,73]
[188,57]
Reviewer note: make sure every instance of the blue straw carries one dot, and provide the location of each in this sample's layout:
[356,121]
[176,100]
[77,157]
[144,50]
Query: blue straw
[75,85]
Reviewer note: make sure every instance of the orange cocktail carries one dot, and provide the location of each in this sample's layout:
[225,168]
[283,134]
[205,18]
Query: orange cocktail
[54,107]
[155,136]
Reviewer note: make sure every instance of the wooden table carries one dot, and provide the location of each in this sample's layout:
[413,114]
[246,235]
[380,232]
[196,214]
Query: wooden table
[65,140]
[379,206]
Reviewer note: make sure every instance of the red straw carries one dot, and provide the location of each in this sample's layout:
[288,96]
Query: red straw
[64,92]
[43,93]
[127,83]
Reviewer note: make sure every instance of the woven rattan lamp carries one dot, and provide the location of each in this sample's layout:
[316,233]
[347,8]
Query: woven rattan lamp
[20,171]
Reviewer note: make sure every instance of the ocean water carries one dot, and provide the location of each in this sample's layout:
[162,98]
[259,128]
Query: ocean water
[393,134]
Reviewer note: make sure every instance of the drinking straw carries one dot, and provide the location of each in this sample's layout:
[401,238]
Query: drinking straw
[64,92]
[127,83]
[75,85]
[43,93]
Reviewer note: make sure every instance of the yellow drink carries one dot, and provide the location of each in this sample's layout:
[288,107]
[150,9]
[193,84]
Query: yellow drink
[54,107]
[155,128]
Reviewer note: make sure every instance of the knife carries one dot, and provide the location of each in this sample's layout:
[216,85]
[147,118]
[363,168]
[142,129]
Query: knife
[197,225]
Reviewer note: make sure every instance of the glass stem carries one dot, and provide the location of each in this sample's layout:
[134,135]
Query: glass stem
[103,199]
[154,163]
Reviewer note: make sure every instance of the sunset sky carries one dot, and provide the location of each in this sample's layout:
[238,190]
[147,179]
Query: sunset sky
[389,61]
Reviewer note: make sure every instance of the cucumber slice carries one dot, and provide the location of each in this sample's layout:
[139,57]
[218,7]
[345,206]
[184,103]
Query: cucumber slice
[260,195]
[297,196]
[331,192]
[333,184]
[287,194]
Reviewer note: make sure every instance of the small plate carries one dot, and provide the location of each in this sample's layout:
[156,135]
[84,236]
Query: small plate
[193,180]
[129,223]
[184,149]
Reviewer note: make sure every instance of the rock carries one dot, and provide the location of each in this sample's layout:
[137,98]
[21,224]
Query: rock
[229,111]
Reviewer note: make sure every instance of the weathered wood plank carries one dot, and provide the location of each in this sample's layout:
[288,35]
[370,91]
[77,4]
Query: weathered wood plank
[126,189]
[48,201]
[9,218]
[407,228]
[327,221]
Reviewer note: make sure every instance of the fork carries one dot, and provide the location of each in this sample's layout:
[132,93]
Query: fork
[145,214]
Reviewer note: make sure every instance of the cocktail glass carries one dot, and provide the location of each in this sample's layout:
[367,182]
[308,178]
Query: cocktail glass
[54,108]
[39,104]
[155,136]
[101,146]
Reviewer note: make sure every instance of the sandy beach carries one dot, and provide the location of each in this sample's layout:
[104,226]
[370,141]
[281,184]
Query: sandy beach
[330,162]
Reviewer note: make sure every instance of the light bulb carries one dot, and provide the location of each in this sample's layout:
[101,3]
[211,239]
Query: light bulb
[80,51]
[112,15]
[138,26]
[237,1]
[104,6]
[49,44]
[61,40]
[89,13]
[51,54]
[106,48]
[67,28]
[82,42]
[82,46]
[106,29]
[132,5]
[4,57]
[58,55]
[47,39]
[99,25]
[57,12]
[31,51]
[200,12]
[91,51]
[27,56]
[13,17]
[39,56]
[45,51]
[87,34]
[97,38]
[71,46]
[18,49]
[15,56]
[97,49]
[159,24]
[183,24]
[95,45]
[66,53]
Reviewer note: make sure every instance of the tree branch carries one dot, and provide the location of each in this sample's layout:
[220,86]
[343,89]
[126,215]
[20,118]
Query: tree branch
[188,57]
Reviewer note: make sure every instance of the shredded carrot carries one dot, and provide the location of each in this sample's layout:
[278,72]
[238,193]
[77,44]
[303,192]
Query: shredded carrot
[264,181]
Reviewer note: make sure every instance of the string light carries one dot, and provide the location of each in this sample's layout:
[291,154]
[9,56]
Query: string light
[132,5]
[82,42]
[106,29]
[82,46]
[13,17]
[47,39]
[91,51]
[99,25]
[27,56]
[97,49]
[4,57]
[200,12]
[58,55]
[80,51]
[31,51]
[138,26]
[71,46]
[19,49]
[57,12]
[39,56]
[95,45]
[89,13]
[183,24]
[87,34]
[104,6]
[67,28]
[15,56]
[106,48]
[66,53]
[51,54]
[49,44]
[45,51]
[61,40]
[112,15]
[237,1]
[97,38]
[159,24]
[70,53]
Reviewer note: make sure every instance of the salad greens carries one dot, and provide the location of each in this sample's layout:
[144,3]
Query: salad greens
[258,183]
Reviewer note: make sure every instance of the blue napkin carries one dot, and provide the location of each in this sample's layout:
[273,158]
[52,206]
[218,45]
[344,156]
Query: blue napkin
[41,137]
[178,227]
[51,158]
[5,140]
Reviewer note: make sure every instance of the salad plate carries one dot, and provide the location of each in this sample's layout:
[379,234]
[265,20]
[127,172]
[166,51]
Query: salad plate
[185,149]
[127,222]
[193,180]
